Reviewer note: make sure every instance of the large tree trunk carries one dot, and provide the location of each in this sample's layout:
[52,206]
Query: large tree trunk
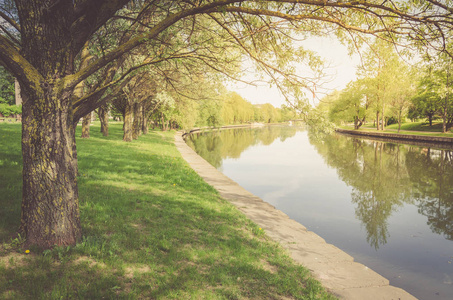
[86,126]
[104,118]
[50,206]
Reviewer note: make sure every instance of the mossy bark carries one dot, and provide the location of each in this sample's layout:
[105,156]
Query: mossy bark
[50,204]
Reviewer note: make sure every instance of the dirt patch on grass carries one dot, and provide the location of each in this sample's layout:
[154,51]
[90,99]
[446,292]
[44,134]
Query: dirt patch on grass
[139,269]
[89,261]
[12,260]
[268,267]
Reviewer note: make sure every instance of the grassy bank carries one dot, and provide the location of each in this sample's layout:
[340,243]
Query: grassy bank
[152,229]
[413,128]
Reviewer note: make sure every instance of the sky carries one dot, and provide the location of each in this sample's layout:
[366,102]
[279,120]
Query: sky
[342,69]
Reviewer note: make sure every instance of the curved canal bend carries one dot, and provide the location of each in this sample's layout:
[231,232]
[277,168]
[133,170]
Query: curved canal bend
[388,205]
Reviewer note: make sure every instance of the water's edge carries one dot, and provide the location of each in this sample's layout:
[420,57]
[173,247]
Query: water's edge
[335,269]
[418,140]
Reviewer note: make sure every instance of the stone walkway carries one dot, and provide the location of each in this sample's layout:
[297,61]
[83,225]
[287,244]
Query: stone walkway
[335,269]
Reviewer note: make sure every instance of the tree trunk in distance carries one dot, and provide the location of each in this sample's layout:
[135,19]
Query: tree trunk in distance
[86,126]
[104,118]
[136,126]
[377,121]
[128,119]
[145,122]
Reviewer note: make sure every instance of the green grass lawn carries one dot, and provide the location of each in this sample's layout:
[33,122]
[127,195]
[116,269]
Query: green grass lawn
[152,229]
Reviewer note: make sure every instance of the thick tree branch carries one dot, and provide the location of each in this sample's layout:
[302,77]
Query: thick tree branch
[10,20]
[27,75]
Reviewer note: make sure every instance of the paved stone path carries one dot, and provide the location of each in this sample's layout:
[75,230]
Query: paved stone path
[335,269]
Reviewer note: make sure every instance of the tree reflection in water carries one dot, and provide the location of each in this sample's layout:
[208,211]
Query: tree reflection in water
[431,173]
[214,146]
[385,176]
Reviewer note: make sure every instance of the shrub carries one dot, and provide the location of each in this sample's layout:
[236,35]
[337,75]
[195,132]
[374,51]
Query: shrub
[8,110]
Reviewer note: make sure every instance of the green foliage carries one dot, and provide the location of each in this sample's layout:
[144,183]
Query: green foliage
[384,90]
[9,110]
[236,110]
[435,90]
[269,114]
[350,105]
[7,91]
[210,113]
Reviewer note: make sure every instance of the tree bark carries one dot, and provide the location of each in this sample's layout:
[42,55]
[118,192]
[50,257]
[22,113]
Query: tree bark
[128,119]
[378,120]
[104,118]
[86,126]
[50,205]
[444,113]
[164,128]
[145,122]
[137,126]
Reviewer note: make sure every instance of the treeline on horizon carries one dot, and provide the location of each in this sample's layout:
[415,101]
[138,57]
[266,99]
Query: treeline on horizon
[389,90]
[169,111]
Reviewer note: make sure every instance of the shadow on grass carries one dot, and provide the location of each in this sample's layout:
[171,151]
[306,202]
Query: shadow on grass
[152,228]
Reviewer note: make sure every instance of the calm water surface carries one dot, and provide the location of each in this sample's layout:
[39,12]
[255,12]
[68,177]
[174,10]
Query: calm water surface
[388,205]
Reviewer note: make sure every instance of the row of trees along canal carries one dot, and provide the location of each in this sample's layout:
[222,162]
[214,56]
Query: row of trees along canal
[73,57]
[389,89]
[169,111]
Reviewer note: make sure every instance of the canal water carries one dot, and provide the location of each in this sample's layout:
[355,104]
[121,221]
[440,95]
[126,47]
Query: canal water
[388,205]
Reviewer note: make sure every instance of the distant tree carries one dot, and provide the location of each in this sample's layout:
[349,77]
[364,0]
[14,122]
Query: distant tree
[269,113]
[424,102]
[236,110]
[287,113]
[403,89]
[437,88]
[380,68]
[352,104]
